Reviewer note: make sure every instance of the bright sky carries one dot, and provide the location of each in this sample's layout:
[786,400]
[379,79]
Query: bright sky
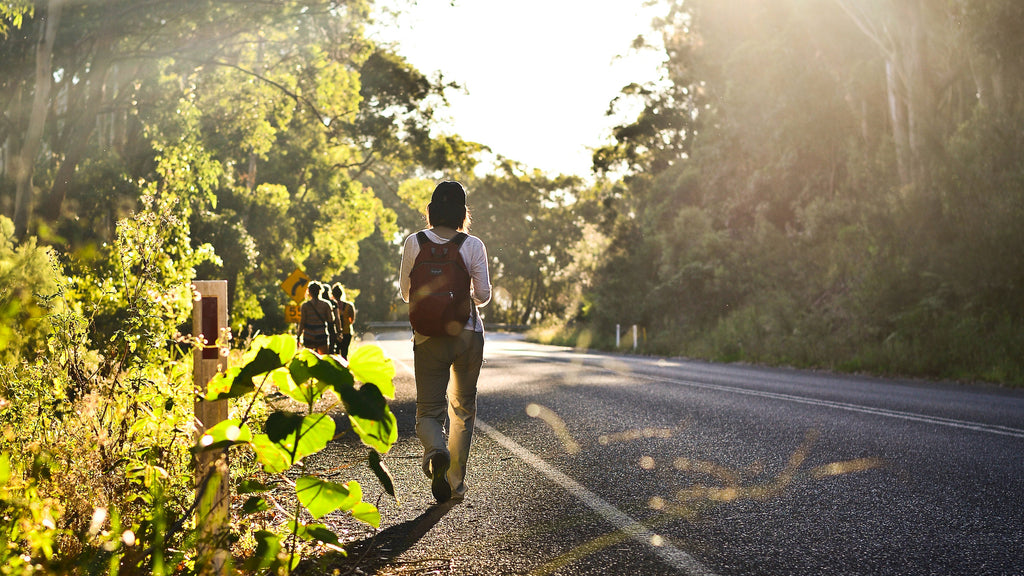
[539,73]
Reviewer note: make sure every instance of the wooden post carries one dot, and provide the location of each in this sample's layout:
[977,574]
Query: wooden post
[213,486]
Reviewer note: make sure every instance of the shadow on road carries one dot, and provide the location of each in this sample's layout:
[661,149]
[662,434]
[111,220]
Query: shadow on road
[382,549]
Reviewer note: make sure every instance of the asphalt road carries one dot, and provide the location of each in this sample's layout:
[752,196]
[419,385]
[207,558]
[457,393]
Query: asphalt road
[609,464]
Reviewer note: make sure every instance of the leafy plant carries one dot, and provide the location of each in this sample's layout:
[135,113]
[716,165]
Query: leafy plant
[27,522]
[96,405]
[360,386]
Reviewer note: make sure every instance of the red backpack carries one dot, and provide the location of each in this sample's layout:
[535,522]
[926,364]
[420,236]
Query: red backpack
[439,300]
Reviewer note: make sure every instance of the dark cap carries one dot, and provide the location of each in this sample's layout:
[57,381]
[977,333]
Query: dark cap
[449,192]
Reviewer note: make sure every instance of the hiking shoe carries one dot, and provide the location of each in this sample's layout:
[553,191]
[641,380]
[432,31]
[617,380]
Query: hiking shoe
[439,477]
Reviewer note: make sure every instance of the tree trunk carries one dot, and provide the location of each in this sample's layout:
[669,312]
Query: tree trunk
[921,112]
[901,34]
[898,121]
[24,161]
[78,135]
[529,302]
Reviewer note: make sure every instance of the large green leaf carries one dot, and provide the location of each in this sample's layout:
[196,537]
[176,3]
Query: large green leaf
[317,430]
[225,433]
[317,532]
[331,372]
[321,497]
[282,423]
[307,393]
[239,381]
[367,409]
[366,512]
[268,545]
[274,458]
[369,363]
[300,364]
[370,417]
[290,438]
[283,345]
[222,384]
[366,402]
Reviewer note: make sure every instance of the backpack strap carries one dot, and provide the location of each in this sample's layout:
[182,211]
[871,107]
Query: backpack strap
[320,316]
[457,240]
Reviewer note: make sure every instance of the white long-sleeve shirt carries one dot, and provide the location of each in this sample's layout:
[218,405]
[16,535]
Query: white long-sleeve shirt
[474,255]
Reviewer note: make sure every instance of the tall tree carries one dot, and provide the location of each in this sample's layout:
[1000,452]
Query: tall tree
[92,56]
[847,182]
[309,124]
[22,161]
[528,223]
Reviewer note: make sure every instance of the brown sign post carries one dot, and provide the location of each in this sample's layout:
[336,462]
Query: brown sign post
[213,486]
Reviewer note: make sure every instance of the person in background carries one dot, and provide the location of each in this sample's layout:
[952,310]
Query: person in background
[438,359]
[344,317]
[315,316]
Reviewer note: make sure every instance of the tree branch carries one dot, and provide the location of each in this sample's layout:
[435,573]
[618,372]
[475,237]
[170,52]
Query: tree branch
[864,23]
[321,117]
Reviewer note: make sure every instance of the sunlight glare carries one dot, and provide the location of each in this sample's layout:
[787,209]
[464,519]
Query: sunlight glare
[538,85]
[557,426]
[837,468]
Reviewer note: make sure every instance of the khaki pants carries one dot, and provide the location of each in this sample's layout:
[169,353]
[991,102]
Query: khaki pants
[437,361]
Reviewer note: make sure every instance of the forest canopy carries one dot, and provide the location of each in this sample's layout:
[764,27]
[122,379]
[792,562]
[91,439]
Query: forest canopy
[831,183]
[834,184]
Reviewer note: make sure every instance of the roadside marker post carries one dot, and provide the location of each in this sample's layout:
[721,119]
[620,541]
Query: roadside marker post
[213,486]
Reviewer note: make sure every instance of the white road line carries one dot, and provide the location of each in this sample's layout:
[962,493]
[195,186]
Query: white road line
[898,414]
[620,520]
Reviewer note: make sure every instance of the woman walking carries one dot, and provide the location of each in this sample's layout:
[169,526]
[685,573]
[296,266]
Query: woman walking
[446,362]
[316,316]
[344,317]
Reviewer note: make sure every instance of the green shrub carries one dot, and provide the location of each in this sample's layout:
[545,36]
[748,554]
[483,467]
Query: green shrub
[96,404]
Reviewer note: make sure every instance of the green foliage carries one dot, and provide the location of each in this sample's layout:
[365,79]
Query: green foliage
[779,205]
[305,376]
[96,398]
[135,292]
[528,223]
[193,139]
[12,14]
[289,437]
[28,521]
[97,421]
[29,284]
[106,487]
[278,125]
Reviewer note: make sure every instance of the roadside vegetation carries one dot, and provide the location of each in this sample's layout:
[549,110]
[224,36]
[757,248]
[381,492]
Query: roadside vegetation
[835,184]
